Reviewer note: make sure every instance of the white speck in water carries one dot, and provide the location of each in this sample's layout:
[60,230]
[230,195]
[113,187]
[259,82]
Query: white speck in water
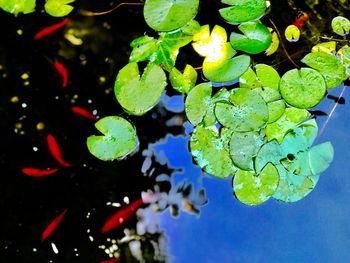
[89,101]
[54,248]
[34,249]
[35,149]
[91,238]
[75,249]
[126,200]
[57,97]
[116,204]
[94,112]
[24,105]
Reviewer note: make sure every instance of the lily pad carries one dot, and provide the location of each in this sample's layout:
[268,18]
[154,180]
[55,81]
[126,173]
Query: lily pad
[210,152]
[197,102]
[276,110]
[135,95]
[18,6]
[191,28]
[168,15]
[183,83]
[274,43]
[242,10]
[270,152]
[257,38]
[292,33]
[302,88]
[265,76]
[327,47]
[248,111]
[243,147]
[58,8]
[119,139]
[341,25]
[320,157]
[329,66]
[253,189]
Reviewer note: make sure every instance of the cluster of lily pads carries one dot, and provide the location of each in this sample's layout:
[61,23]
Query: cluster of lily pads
[260,131]
[56,8]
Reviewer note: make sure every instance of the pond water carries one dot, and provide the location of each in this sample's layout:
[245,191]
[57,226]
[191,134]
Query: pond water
[197,218]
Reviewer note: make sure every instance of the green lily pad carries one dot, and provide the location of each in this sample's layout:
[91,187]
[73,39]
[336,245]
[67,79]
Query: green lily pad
[327,47]
[242,10]
[183,83]
[329,66]
[289,120]
[276,110]
[268,94]
[191,28]
[253,189]
[243,147]
[58,8]
[257,38]
[135,95]
[267,75]
[18,6]
[320,157]
[197,102]
[292,33]
[210,152]
[143,48]
[168,15]
[302,88]
[341,25]
[270,152]
[119,139]
[248,111]
[249,79]
[274,43]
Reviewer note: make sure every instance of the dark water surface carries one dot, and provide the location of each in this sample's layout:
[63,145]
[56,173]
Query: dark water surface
[315,229]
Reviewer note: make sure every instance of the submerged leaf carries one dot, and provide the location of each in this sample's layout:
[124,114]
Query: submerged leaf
[168,15]
[303,88]
[135,95]
[242,10]
[119,139]
[253,189]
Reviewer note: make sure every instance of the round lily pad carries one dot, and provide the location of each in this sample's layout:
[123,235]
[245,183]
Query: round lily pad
[320,157]
[242,11]
[292,33]
[276,110]
[270,152]
[197,102]
[248,111]
[168,15]
[119,139]
[58,8]
[341,25]
[254,189]
[210,152]
[18,6]
[267,75]
[135,95]
[243,147]
[302,88]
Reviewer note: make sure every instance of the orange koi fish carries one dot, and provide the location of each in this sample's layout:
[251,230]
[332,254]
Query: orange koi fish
[301,20]
[121,216]
[55,150]
[83,112]
[35,172]
[51,29]
[53,225]
[63,72]
[113,260]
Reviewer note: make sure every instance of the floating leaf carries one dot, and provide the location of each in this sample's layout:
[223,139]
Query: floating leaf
[257,38]
[276,110]
[243,147]
[183,82]
[274,43]
[265,76]
[320,157]
[197,102]
[143,48]
[248,111]
[289,120]
[270,152]
[135,95]
[242,10]
[253,189]
[329,66]
[18,6]
[268,94]
[119,139]
[168,15]
[303,88]
[58,8]
[341,25]
[292,33]
[327,47]
[191,28]
[210,153]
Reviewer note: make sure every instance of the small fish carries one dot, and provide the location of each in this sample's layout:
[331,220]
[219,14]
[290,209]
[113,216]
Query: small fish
[53,225]
[301,20]
[339,100]
[55,150]
[113,260]
[35,172]
[121,216]
[83,112]
[318,113]
[51,29]
[63,72]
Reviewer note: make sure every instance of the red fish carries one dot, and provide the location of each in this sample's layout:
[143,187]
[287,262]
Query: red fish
[51,29]
[301,20]
[84,113]
[63,72]
[113,260]
[35,172]
[56,151]
[121,216]
[53,225]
